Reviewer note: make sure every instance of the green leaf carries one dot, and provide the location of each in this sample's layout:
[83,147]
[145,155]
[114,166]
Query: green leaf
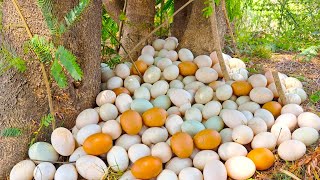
[315,97]
[74,14]
[58,74]
[11,132]
[46,9]
[46,120]
[208,10]
[69,61]
[8,59]
[42,48]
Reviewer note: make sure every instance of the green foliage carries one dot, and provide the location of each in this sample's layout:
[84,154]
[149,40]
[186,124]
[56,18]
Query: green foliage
[208,10]
[44,122]
[309,53]
[42,48]
[8,59]
[73,15]
[69,61]
[315,97]
[58,74]
[113,61]
[164,12]
[46,7]
[262,52]
[11,132]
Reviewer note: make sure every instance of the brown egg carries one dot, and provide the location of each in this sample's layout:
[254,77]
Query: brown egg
[263,158]
[241,88]
[182,144]
[147,167]
[187,68]
[141,66]
[154,117]
[207,139]
[131,122]
[274,107]
[97,144]
[121,90]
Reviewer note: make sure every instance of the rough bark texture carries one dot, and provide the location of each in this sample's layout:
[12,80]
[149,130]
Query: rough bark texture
[23,98]
[114,8]
[139,23]
[193,30]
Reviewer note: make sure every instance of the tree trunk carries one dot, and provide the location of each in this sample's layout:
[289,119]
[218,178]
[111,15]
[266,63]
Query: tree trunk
[114,8]
[194,30]
[139,23]
[23,99]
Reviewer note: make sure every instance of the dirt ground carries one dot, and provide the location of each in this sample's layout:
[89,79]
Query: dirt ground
[307,168]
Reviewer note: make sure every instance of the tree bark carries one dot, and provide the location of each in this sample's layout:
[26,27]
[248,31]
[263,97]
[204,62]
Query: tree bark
[139,23]
[23,98]
[194,30]
[114,8]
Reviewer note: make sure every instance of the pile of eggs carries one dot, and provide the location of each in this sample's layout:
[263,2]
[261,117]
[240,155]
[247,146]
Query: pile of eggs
[180,120]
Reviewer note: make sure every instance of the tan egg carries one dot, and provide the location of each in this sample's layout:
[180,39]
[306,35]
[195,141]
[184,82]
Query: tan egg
[152,74]
[122,71]
[282,132]
[86,117]
[106,96]
[86,132]
[203,61]
[114,82]
[214,57]
[210,109]
[291,150]
[257,125]
[264,140]
[162,150]
[23,170]
[206,75]
[91,167]
[249,106]
[138,151]
[224,92]
[287,119]
[146,58]
[258,80]
[226,135]
[242,134]
[158,44]
[240,167]
[204,95]
[173,124]
[159,88]
[215,169]
[113,128]
[171,72]
[148,50]
[203,157]
[126,141]
[142,92]
[231,149]
[185,55]
[108,111]
[177,164]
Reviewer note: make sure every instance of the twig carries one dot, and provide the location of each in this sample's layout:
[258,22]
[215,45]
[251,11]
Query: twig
[45,77]
[53,162]
[132,61]
[161,25]
[216,41]
[280,91]
[234,44]
[289,174]
[124,10]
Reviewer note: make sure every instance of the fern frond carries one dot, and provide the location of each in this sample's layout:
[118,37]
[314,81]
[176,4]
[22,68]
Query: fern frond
[8,59]
[11,132]
[46,7]
[58,74]
[74,14]
[46,120]
[42,48]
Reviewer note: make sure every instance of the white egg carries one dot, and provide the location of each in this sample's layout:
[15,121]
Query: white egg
[112,128]
[127,176]
[224,92]
[231,149]
[309,119]
[204,95]
[42,151]
[86,117]
[229,104]
[109,111]
[23,170]
[146,58]
[77,154]
[148,50]
[114,82]
[264,140]
[131,83]
[240,167]
[307,135]
[173,110]
[118,159]
[126,141]
[123,103]
[247,114]
[287,119]
[242,134]
[171,72]
[233,118]
[179,97]
[163,63]
[66,171]
[91,167]
[162,150]
[210,109]
[154,135]
[162,53]
[185,55]
[62,141]
[258,80]
[44,170]
[261,95]
[173,124]
[281,132]
[190,173]
[142,92]
[122,71]
[249,106]
[172,55]
[106,96]
[158,44]
[215,169]
[206,75]
[242,99]
[226,135]
[152,74]
[87,131]
[159,88]
[170,44]
[177,164]
[266,116]
[203,157]
[291,150]
[167,174]
[257,125]
[138,151]
[203,61]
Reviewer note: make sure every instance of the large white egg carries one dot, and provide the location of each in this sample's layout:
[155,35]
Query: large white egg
[206,75]
[23,170]
[146,58]
[162,150]
[215,170]
[87,131]
[163,63]
[264,140]
[66,171]
[91,167]
[215,123]
[122,71]
[258,80]
[224,92]
[309,119]
[185,55]
[247,114]
[152,74]
[148,50]
[44,170]
[127,176]
[118,159]
[107,74]
[226,135]
[242,134]
[231,149]
[62,141]
[114,82]
[266,116]
[162,53]
[240,167]
[176,84]
[138,151]
[233,118]
[154,135]
[242,99]
[261,95]
[211,109]
[131,83]
[292,82]
[291,150]
[287,119]
[109,111]
[203,61]
[249,106]
[229,104]
[86,117]
[179,97]
[106,96]
[158,44]
[281,132]
[77,154]
[171,72]
[203,157]
[159,88]
[177,164]
[173,124]
[204,95]
[167,174]
[292,108]
[307,135]
[123,103]
[188,79]
[142,92]
[172,55]
[112,128]
[190,173]
[299,91]
[42,151]
[126,141]
[292,99]
[257,125]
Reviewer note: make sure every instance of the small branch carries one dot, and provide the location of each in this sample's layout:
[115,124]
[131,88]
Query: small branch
[124,49]
[124,10]
[45,77]
[53,162]
[225,13]
[277,82]
[289,174]
[156,29]
[216,41]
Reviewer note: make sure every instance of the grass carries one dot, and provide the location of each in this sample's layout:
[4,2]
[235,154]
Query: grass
[110,174]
